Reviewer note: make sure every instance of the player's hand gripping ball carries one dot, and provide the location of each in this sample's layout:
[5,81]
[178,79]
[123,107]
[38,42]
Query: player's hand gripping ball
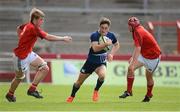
[104,39]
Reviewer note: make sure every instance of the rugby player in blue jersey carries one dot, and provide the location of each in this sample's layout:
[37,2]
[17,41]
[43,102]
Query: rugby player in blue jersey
[99,53]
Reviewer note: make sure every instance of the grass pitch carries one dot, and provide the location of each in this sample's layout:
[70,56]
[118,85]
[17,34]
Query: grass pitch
[165,99]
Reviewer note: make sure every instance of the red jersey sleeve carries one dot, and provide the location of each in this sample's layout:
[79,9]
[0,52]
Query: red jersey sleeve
[137,39]
[21,27]
[42,34]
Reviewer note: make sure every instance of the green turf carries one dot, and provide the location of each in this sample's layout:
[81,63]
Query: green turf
[165,99]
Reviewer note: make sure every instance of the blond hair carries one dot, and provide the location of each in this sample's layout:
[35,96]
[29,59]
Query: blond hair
[36,14]
[104,20]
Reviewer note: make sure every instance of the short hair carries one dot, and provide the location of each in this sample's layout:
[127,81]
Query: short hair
[104,20]
[36,14]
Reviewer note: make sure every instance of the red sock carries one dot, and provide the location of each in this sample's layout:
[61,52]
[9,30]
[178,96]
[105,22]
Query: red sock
[32,87]
[130,81]
[149,90]
[10,93]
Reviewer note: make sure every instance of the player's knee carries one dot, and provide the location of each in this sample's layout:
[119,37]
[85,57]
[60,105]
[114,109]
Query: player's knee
[19,75]
[102,77]
[43,67]
[46,68]
[130,71]
[77,84]
[150,82]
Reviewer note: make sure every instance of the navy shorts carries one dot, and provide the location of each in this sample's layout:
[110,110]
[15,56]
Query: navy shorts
[89,67]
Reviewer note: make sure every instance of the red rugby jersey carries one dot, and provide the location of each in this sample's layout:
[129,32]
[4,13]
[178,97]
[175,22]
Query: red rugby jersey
[149,47]
[27,39]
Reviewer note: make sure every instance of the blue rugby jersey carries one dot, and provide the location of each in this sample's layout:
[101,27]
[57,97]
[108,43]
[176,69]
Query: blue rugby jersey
[100,56]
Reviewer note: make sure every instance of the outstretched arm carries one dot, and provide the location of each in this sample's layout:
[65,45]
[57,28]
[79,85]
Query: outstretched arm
[50,37]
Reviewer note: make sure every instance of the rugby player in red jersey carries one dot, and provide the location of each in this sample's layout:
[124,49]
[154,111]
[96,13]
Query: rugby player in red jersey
[146,53]
[24,56]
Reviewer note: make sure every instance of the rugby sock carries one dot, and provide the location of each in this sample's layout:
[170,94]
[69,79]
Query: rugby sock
[149,90]
[98,84]
[130,81]
[32,87]
[74,90]
[10,93]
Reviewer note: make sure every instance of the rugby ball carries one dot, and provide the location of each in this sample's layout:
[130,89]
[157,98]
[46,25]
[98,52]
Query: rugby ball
[103,39]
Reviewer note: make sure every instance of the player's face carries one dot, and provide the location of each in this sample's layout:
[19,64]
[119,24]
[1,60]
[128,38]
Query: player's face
[104,29]
[130,28]
[40,21]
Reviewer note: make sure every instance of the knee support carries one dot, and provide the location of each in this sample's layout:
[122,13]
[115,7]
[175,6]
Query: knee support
[19,75]
[22,77]
[42,66]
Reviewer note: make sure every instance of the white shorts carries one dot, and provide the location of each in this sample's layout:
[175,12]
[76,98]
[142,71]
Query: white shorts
[23,64]
[149,64]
